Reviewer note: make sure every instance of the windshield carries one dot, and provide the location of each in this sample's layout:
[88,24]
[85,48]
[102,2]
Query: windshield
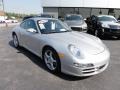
[106,18]
[52,26]
[74,17]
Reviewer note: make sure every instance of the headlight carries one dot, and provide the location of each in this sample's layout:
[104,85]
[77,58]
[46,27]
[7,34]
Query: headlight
[84,26]
[74,51]
[105,26]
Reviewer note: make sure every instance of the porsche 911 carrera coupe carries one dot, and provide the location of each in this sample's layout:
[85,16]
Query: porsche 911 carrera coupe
[63,50]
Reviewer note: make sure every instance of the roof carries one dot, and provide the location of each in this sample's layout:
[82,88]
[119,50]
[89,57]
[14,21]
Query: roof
[41,18]
[73,15]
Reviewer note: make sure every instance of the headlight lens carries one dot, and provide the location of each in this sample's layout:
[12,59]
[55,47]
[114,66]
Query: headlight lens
[84,26]
[74,51]
[105,26]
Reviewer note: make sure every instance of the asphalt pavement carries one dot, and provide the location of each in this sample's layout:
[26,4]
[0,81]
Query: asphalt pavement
[22,70]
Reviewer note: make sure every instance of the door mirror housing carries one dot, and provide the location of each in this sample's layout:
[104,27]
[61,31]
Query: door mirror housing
[32,30]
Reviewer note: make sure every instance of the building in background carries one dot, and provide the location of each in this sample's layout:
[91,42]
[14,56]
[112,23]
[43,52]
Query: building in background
[2,13]
[2,16]
[59,8]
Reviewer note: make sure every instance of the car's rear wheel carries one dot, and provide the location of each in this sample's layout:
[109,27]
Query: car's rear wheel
[52,60]
[15,41]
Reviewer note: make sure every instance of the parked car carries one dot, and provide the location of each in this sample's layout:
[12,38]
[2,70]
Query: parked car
[10,21]
[46,16]
[75,22]
[62,49]
[14,21]
[103,25]
[27,17]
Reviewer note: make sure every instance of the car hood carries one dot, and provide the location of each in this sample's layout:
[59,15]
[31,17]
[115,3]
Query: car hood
[110,23]
[86,43]
[74,23]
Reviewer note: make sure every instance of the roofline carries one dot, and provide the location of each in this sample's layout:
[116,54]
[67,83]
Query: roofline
[80,7]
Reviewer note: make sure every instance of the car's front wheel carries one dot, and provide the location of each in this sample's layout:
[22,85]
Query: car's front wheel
[51,60]
[15,41]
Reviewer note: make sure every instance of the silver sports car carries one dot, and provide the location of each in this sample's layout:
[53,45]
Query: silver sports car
[75,22]
[62,49]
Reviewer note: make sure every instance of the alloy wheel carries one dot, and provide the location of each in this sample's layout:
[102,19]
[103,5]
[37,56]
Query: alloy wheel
[15,41]
[50,60]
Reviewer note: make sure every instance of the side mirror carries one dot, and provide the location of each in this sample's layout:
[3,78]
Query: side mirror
[85,19]
[32,30]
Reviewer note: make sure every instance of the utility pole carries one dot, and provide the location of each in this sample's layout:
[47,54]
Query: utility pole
[3,7]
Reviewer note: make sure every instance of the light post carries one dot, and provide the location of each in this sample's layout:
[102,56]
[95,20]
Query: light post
[3,8]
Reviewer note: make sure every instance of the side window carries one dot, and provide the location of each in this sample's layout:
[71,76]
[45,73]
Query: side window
[28,24]
[31,24]
[23,25]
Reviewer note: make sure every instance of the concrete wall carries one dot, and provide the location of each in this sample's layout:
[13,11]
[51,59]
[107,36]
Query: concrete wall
[83,7]
[85,12]
[82,3]
[51,11]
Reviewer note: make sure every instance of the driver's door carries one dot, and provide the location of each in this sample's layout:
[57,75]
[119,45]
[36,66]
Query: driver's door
[30,38]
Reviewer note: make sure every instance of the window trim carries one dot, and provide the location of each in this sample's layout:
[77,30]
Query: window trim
[37,31]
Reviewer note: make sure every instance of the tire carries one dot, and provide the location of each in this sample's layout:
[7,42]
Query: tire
[15,41]
[51,60]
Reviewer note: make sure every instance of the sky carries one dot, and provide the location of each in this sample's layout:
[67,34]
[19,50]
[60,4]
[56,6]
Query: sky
[23,6]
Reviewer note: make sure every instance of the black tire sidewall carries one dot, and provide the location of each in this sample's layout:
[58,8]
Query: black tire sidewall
[58,68]
[17,41]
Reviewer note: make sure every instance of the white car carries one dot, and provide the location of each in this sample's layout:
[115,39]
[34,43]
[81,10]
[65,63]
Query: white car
[11,21]
[62,49]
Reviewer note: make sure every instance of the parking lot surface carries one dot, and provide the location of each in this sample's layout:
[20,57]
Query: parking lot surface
[22,70]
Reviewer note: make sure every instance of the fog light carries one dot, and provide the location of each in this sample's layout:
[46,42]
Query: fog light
[83,65]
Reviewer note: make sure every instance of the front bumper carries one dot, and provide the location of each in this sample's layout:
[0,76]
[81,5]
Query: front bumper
[100,63]
[77,28]
[111,32]
[88,71]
